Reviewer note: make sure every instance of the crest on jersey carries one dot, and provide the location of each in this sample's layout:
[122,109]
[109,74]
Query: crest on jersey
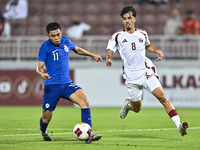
[140,40]
[124,41]
[66,48]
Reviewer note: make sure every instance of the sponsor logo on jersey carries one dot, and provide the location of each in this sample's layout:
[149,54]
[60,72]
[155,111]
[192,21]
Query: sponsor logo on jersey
[140,40]
[54,51]
[124,41]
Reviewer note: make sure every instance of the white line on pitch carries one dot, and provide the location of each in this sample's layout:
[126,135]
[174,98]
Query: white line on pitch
[18,129]
[193,128]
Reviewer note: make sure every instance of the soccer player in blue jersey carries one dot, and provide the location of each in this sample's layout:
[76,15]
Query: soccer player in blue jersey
[54,54]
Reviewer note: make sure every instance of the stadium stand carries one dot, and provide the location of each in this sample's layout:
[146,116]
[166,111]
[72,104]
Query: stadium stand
[97,13]
[104,18]
[27,47]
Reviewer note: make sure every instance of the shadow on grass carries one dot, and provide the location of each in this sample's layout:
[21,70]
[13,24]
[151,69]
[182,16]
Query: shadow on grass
[136,136]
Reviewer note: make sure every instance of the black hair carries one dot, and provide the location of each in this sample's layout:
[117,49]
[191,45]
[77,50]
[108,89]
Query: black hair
[189,12]
[128,9]
[2,18]
[52,26]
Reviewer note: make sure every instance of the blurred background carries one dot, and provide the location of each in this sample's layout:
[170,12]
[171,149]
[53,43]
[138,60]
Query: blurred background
[172,26]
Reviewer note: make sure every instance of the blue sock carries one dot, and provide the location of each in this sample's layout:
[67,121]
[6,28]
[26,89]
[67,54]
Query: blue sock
[43,127]
[86,116]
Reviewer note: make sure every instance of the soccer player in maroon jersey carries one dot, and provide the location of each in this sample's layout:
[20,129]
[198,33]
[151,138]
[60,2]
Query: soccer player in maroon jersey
[139,71]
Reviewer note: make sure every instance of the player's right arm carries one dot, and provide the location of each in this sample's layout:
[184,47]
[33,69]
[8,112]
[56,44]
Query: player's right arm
[109,58]
[40,71]
[111,47]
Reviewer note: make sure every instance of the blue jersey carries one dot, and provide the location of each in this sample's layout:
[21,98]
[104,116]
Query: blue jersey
[56,59]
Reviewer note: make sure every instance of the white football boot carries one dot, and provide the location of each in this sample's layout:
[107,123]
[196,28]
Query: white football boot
[124,110]
[46,136]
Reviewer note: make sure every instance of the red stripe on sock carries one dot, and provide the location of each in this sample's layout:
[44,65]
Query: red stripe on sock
[173,113]
[127,105]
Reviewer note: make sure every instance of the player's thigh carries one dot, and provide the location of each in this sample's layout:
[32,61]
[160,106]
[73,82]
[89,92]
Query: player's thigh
[134,91]
[152,83]
[70,91]
[51,96]
[79,97]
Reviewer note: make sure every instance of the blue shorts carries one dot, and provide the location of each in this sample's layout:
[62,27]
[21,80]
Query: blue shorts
[53,92]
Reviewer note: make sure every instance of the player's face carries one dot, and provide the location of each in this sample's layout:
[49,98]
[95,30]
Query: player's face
[55,36]
[189,16]
[128,21]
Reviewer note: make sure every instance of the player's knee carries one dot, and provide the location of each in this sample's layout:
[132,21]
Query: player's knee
[45,120]
[137,110]
[84,103]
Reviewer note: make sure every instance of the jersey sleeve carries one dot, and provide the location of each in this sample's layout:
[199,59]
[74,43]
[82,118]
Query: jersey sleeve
[85,26]
[112,43]
[42,56]
[147,41]
[71,45]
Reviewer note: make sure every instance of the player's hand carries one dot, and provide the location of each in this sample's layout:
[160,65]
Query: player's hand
[45,76]
[109,63]
[98,58]
[160,55]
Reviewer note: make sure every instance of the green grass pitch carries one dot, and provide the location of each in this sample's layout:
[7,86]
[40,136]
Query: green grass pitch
[151,129]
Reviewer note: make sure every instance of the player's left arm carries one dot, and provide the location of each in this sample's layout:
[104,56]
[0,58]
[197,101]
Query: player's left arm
[81,51]
[153,49]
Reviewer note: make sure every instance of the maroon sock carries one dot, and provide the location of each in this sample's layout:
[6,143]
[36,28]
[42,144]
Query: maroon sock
[172,113]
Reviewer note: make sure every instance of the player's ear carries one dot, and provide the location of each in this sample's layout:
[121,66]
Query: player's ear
[47,35]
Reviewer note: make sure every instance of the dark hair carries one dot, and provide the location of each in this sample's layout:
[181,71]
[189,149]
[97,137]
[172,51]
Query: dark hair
[52,26]
[128,9]
[189,12]
[2,18]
